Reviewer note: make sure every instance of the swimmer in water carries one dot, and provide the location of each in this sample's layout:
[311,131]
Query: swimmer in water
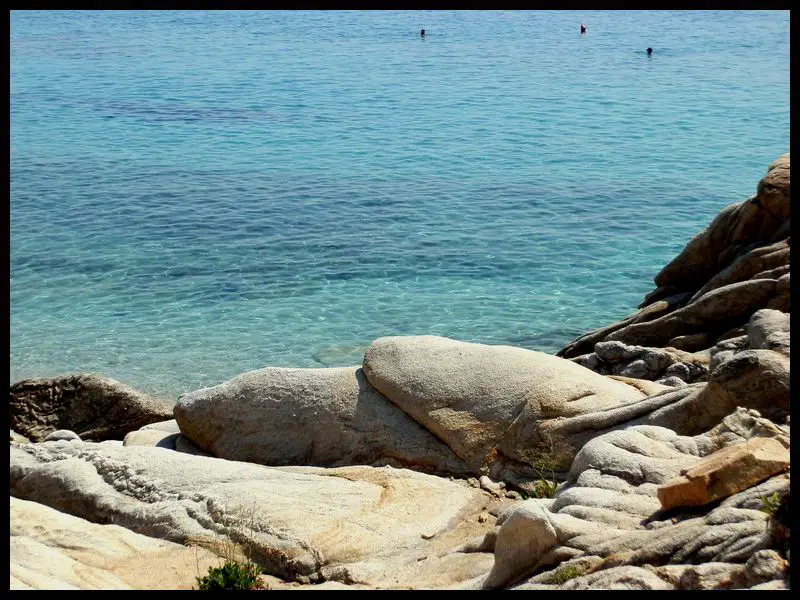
[649,51]
[422,33]
[583,28]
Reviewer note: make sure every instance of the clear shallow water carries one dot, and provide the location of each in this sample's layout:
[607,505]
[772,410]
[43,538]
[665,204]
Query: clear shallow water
[197,194]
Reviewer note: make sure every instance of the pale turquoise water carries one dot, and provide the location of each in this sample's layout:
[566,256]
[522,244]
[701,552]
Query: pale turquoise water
[198,194]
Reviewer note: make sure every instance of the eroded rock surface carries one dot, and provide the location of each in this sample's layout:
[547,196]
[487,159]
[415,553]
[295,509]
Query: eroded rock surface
[95,408]
[356,525]
[609,507]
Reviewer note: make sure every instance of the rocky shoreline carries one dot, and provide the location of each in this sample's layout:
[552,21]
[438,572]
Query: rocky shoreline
[652,453]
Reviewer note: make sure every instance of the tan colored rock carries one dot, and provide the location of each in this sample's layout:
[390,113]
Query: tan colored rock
[760,259]
[648,312]
[782,300]
[163,434]
[170,426]
[725,473]
[692,342]
[647,387]
[94,407]
[51,550]
[483,399]
[757,219]
[720,308]
[151,437]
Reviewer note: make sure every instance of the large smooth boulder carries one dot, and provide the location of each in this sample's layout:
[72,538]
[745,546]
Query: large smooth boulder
[62,434]
[355,525]
[51,550]
[94,407]
[486,401]
[318,417]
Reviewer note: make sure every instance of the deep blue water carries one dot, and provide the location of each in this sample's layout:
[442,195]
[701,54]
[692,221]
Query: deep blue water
[197,194]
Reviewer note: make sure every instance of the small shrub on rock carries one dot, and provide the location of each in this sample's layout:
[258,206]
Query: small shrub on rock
[565,574]
[232,576]
[544,488]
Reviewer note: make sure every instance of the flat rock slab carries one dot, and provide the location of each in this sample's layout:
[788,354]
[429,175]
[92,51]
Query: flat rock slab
[480,398]
[353,524]
[725,473]
[51,550]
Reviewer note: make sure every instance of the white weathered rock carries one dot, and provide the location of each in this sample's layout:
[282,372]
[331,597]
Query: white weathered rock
[163,434]
[358,525]
[609,507]
[318,417]
[64,435]
[491,486]
[56,551]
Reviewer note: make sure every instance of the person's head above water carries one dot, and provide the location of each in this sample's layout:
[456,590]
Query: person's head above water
[422,32]
[583,28]
[649,51]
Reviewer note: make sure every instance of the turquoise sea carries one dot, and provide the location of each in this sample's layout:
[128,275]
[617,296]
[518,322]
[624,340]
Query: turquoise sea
[198,194]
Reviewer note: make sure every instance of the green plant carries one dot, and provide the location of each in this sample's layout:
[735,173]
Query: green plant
[544,488]
[565,574]
[544,465]
[769,504]
[232,576]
